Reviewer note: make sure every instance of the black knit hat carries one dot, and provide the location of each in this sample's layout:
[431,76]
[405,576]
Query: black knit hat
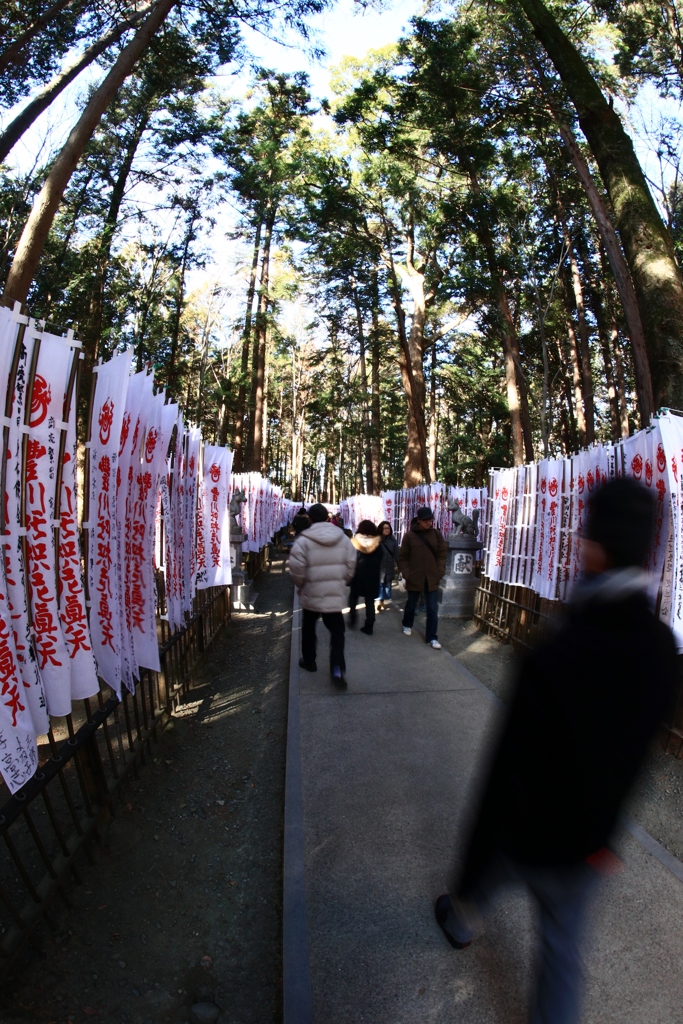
[318,513]
[622,521]
[424,513]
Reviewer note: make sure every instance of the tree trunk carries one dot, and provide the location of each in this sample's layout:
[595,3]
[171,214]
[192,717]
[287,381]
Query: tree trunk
[375,404]
[38,225]
[576,380]
[618,355]
[520,420]
[596,295]
[432,416]
[647,244]
[585,355]
[621,273]
[12,54]
[260,343]
[416,465]
[179,303]
[93,332]
[246,343]
[609,375]
[32,111]
[620,379]
[364,390]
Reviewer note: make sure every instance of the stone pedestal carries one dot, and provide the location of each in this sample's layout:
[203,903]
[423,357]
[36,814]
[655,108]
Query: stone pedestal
[460,582]
[241,587]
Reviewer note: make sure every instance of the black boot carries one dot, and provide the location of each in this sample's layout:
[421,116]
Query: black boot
[338,677]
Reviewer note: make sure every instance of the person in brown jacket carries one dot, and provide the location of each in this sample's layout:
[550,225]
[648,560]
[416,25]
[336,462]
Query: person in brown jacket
[422,561]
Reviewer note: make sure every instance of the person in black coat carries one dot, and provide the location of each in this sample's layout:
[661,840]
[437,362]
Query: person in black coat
[365,582]
[389,548]
[587,704]
[301,521]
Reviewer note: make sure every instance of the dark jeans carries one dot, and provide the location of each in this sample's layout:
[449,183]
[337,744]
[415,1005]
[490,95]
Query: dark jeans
[562,895]
[432,601]
[334,622]
[369,607]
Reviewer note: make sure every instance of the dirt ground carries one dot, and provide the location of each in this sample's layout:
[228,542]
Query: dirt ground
[184,903]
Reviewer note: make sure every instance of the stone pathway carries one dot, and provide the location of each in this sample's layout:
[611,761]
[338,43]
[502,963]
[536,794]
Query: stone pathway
[386,772]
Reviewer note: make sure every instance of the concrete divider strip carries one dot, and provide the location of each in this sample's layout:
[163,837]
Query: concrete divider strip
[296,981]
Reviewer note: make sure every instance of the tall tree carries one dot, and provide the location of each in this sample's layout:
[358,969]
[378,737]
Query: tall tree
[647,244]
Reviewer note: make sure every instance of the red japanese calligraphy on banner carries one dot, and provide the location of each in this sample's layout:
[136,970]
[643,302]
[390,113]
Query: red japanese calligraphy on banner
[215,519]
[15,579]
[194,440]
[72,609]
[52,372]
[106,625]
[148,472]
[22,701]
[133,428]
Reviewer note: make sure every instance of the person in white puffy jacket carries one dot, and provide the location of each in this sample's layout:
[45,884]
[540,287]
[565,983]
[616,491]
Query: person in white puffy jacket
[321,563]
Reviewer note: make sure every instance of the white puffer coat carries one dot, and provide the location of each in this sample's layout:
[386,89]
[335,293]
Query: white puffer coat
[321,563]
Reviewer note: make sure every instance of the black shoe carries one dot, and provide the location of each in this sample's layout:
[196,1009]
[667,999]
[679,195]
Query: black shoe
[338,677]
[352,621]
[443,909]
[367,630]
[310,666]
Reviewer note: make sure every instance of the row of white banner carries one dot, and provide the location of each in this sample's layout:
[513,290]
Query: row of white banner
[141,511]
[400,507]
[536,514]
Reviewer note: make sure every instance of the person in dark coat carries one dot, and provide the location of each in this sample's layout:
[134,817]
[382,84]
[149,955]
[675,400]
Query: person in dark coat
[389,548]
[301,521]
[422,561]
[365,582]
[587,704]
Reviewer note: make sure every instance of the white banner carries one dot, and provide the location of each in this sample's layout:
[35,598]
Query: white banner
[18,723]
[138,399]
[103,578]
[148,473]
[190,498]
[672,439]
[72,611]
[215,518]
[47,410]
[15,576]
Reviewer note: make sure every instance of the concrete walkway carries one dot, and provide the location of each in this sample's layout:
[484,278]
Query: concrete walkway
[386,768]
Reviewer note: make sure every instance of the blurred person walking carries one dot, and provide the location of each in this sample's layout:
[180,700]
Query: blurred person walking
[422,561]
[321,563]
[365,582]
[389,546]
[587,704]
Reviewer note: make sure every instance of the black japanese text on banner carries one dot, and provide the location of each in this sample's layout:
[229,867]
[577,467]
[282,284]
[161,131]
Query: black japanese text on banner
[47,406]
[18,751]
[72,610]
[15,571]
[105,439]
